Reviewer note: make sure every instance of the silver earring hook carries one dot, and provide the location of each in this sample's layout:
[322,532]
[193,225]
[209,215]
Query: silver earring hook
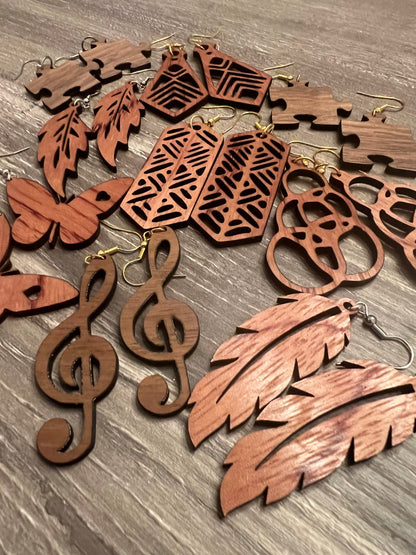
[39,64]
[5,172]
[371,321]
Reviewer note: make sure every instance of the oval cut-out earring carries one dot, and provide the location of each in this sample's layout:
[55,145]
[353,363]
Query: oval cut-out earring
[319,238]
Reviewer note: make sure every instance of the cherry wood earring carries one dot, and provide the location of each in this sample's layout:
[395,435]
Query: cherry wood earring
[24,294]
[237,197]
[319,238]
[230,81]
[186,154]
[170,329]
[81,360]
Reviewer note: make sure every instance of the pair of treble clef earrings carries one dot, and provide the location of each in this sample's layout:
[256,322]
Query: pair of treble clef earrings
[88,365]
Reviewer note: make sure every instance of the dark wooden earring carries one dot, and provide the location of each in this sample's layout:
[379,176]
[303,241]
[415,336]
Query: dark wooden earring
[175,91]
[170,328]
[238,195]
[77,383]
[171,180]
[388,212]
[230,81]
[299,101]
[102,62]
[318,238]
[378,140]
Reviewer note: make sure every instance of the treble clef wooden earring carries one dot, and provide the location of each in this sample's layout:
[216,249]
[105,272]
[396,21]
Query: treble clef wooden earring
[170,327]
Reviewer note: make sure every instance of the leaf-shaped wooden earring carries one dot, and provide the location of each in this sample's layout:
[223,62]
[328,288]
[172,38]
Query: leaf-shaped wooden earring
[259,362]
[388,210]
[86,353]
[170,328]
[185,153]
[238,195]
[61,141]
[175,91]
[275,461]
[319,238]
[115,115]
[230,81]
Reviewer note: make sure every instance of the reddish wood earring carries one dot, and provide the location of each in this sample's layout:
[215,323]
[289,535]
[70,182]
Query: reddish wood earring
[300,101]
[170,327]
[61,141]
[175,91]
[319,238]
[236,200]
[347,418]
[23,294]
[171,180]
[80,360]
[230,81]
[115,114]
[378,140]
[76,223]
[388,212]
[267,352]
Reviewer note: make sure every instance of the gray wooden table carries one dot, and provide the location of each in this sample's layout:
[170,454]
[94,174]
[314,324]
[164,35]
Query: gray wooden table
[143,489]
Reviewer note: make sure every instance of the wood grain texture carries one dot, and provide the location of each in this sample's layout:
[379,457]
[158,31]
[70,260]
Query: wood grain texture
[172,178]
[236,200]
[143,488]
[175,91]
[76,223]
[230,81]
[87,367]
[379,140]
[322,219]
[170,329]
[259,361]
[393,211]
[261,464]
[300,101]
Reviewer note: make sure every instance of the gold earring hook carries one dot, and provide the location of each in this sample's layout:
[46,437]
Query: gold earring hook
[258,116]
[197,38]
[161,39]
[306,159]
[384,107]
[147,235]
[116,249]
[320,166]
[212,121]
[286,78]
[39,65]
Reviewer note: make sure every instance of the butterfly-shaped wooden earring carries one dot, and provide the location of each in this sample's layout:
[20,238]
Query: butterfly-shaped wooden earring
[76,223]
[378,140]
[23,294]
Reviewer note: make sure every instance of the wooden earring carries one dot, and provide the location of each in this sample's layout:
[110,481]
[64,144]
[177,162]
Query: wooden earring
[238,195]
[81,359]
[175,91]
[170,327]
[230,81]
[388,211]
[76,223]
[299,101]
[102,62]
[319,238]
[24,294]
[186,154]
[62,140]
[378,140]
[115,115]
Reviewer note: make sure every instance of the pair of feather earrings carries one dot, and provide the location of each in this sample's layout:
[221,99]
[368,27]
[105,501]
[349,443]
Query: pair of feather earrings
[356,409]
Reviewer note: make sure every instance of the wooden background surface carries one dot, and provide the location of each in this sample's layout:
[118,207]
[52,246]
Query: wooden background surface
[143,489]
